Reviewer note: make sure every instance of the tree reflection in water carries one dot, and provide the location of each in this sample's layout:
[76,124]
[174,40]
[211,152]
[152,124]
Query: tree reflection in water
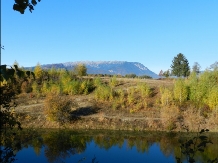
[63,144]
[58,145]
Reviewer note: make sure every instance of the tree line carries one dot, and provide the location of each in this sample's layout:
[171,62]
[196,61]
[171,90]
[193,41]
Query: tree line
[180,67]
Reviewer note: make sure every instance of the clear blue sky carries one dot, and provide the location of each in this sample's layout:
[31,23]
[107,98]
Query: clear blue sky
[148,31]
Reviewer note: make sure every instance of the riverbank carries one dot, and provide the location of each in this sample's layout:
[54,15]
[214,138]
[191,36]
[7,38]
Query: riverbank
[90,114]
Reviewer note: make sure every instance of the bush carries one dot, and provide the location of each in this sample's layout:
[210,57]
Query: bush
[104,93]
[80,70]
[25,87]
[130,97]
[97,82]
[212,100]
[56,89]
[130,75]
[145,77]
[166,96]
[121,96]
[86,87]
[113,81]
[169,116]
[35,89]
[202,89]
[180,91]
[57,108]
[74,87]
[144,90]
[45,88]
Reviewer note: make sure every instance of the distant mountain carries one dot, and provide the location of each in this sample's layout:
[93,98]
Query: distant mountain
[108,67]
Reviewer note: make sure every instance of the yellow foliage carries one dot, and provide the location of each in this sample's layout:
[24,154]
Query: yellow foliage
[144,90]
[212,100]
[57,108]
[38,71]
[180,91]
[113,81]
[166,96]
[130,97]
[56,89]
[45,89]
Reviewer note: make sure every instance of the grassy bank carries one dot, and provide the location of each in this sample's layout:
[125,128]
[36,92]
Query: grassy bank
[121,103]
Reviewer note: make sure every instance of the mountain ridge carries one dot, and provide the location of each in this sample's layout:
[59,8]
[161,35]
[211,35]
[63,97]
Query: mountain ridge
[107,67]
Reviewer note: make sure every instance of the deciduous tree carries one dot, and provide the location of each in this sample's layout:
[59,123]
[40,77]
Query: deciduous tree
[22,5]
[38,72]
[161,73]
[180,91]
[166,73]
[196,67]
[80,70]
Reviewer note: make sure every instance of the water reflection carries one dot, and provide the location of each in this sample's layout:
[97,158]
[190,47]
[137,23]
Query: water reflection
[107,146]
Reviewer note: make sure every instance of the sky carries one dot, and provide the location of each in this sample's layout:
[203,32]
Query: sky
[151,32]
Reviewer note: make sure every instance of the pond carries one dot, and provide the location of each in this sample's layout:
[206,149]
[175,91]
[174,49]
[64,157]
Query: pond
[70,146]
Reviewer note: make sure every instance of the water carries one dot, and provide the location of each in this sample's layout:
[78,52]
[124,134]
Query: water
[66,146]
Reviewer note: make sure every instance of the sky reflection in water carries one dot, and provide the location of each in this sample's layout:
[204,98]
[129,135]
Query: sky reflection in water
[114,154]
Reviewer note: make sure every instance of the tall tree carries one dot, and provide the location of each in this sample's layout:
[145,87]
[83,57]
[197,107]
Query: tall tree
[180,66]
[196,67]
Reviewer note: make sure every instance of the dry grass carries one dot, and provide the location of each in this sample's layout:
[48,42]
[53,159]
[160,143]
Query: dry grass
[147,110]
[169,117]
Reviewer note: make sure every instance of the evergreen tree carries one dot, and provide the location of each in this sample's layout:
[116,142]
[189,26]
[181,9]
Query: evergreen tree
[180,66]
